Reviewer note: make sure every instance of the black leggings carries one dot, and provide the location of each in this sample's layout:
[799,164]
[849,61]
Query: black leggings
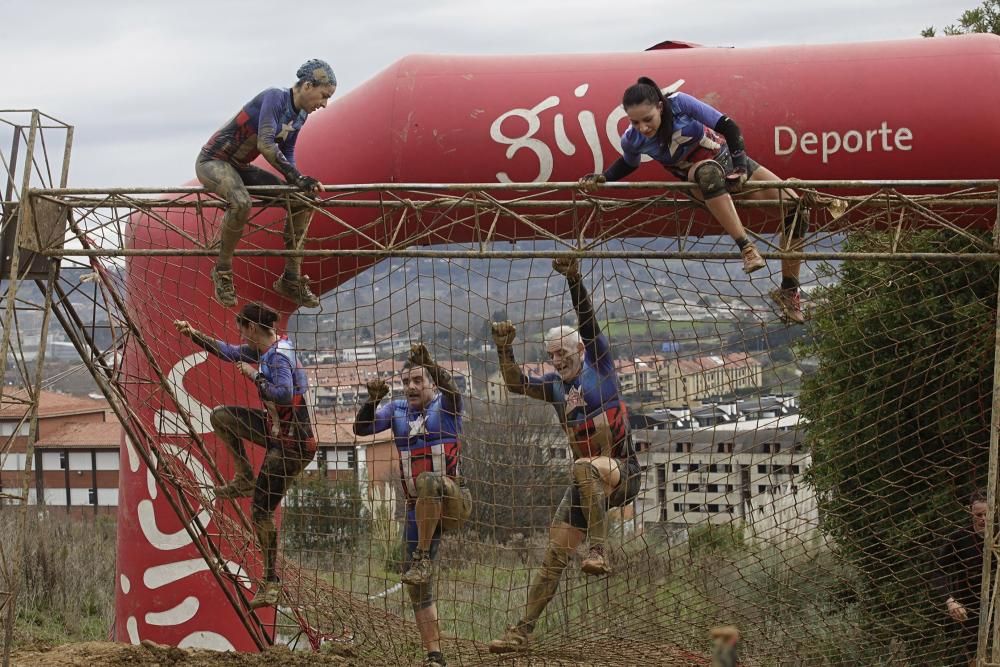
[283,461]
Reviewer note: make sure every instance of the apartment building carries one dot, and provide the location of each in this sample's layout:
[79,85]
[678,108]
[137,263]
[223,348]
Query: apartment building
[719,473]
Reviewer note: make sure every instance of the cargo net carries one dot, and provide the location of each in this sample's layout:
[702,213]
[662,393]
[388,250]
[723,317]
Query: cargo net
[805,486]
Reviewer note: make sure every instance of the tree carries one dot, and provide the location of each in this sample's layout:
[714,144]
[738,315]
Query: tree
[899,415]
[985,18]
[506,462]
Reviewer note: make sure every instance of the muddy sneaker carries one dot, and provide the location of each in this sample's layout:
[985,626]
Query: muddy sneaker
[516,639]
[790,304]
[752,259]
[241,487]
[434,660]
[421,569]
[595,563]
[297,291]
[267,595]
[225,293]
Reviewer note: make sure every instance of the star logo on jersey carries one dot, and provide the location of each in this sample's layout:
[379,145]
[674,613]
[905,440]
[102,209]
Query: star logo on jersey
[286,129]
[418,426]
[574,400]
[676,140]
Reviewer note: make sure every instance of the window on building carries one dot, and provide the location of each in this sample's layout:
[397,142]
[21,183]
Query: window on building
[676,488]
[7,428]
[676,467]
[712,488]
[340,458]
[795,470]
[761,488]
[713,509]
[762,469]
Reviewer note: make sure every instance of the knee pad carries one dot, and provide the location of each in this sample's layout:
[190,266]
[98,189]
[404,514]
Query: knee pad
[796,223]
[711,179]
[430,485]
[421,596]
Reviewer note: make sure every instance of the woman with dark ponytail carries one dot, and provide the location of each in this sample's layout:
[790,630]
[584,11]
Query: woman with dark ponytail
[284,426]
[698,143]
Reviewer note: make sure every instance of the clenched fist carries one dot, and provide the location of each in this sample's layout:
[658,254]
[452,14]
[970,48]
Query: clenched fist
[419,356]
[591,182]
[184,328]
[503,333]
[568,266]
[377,390]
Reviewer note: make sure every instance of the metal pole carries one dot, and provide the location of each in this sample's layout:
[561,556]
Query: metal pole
[987,609]
[554,185]
[15,251]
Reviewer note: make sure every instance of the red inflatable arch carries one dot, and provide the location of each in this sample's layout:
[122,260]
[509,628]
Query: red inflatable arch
[917,109]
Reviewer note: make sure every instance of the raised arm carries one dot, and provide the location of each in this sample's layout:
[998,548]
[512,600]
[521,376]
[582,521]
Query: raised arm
[570,267]
[595,344]
[223,350]
[451,399]
[515,379]
[369,421]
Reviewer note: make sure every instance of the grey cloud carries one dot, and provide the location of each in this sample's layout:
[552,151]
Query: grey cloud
[146,83]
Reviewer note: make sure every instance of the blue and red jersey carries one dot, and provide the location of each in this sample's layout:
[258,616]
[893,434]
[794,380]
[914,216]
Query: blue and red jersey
[283,387]
[428,439]
[267,125]
[590,401]
[589,406]
[693,137]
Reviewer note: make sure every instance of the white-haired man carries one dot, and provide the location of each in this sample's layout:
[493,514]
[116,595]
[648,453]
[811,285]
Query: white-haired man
[584,392]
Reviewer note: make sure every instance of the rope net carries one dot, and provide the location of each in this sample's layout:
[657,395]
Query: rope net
[801,483]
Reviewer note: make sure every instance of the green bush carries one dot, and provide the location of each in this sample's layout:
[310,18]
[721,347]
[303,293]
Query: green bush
[321,514]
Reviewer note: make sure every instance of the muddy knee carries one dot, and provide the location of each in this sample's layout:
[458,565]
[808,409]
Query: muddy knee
[239,203]
[430,485]
[555,561]
[584,472]
[222,419]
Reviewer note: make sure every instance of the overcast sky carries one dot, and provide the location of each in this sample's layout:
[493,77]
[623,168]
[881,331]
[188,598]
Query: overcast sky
[146,83]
